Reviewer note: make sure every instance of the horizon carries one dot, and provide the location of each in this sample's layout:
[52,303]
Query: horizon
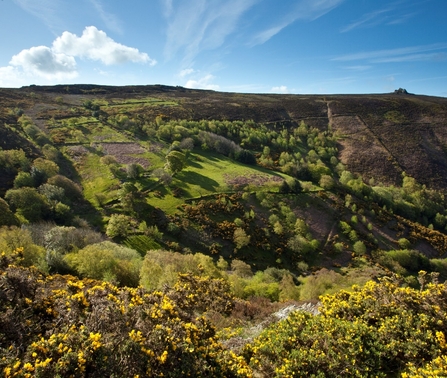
[329,47]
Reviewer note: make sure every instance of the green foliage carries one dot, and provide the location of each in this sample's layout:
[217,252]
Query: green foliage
[12,161]
[175,161]
[162,267]
[302,246]
[359,248]
[245,156]
[119,226]
[107,261]
[240,238]
[27,203]
[13,239]
[404,243]
[47,167]
[23,179]
[71,190]
[7,217]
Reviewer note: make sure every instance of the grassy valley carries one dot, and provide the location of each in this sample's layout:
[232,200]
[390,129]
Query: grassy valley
[152,198]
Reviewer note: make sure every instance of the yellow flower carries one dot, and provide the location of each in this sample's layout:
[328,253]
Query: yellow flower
[163,357]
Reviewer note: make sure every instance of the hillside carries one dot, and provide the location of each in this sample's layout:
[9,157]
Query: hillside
[359,144]
[175,203]
[401,132]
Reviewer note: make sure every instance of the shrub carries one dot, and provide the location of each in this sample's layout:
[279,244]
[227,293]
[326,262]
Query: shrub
[118,226]
[379,330]
[107,261]
[60,326]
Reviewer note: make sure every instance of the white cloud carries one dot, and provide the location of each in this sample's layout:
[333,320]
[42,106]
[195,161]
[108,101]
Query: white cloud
[281,89]
[58,63]
[94,44]
[308,10]
[202,83]
[186,72]
[11,77]
[197,25]
[44,62]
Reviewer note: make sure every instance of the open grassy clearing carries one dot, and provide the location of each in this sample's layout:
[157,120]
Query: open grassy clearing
[96,179]
[209,173]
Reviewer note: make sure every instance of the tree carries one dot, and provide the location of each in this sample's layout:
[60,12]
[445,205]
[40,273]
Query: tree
[13,160]
[163,176]
[27,203]
[7,217]
[23,179]
[245,156]
[240,238]
[107,261]
[175,161]
[327,182]
[118,226]
[128,196]
[72,190]
[134,170]
[359,248]
[52,192]
[48,167]
[14,238]
[241,268]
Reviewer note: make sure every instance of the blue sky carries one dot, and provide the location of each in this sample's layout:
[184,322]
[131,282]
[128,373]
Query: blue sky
[257,46]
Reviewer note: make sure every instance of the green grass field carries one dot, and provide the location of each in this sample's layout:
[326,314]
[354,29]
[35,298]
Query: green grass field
[208,173]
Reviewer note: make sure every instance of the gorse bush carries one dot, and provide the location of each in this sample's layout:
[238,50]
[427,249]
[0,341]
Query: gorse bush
[61,326]
[380,330]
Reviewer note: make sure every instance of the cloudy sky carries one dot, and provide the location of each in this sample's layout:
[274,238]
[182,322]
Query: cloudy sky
[259,46]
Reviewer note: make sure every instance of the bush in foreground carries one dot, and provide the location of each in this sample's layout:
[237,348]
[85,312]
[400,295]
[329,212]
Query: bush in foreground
[59,326]
[380,330]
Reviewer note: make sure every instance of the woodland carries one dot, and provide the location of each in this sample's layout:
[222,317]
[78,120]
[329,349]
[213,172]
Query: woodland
[161,231]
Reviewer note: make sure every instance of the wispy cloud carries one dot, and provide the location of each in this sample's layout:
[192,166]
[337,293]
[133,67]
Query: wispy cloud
[370,19]
[197,25]
[186,72]
[45,10]
[308,10]
[358,68]
[167,7]
[395,55]
[395,13]
[110,20]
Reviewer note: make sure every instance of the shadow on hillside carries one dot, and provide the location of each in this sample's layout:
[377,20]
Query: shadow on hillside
[198,179]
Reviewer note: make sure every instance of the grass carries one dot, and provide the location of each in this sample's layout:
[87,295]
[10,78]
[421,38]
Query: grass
[141,243]
[143,101]
[96,178]
[205,174]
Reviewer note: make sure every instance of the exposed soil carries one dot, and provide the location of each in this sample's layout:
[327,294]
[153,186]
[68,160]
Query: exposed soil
[125,153]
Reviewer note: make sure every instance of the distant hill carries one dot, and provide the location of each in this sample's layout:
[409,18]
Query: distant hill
[382,134]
